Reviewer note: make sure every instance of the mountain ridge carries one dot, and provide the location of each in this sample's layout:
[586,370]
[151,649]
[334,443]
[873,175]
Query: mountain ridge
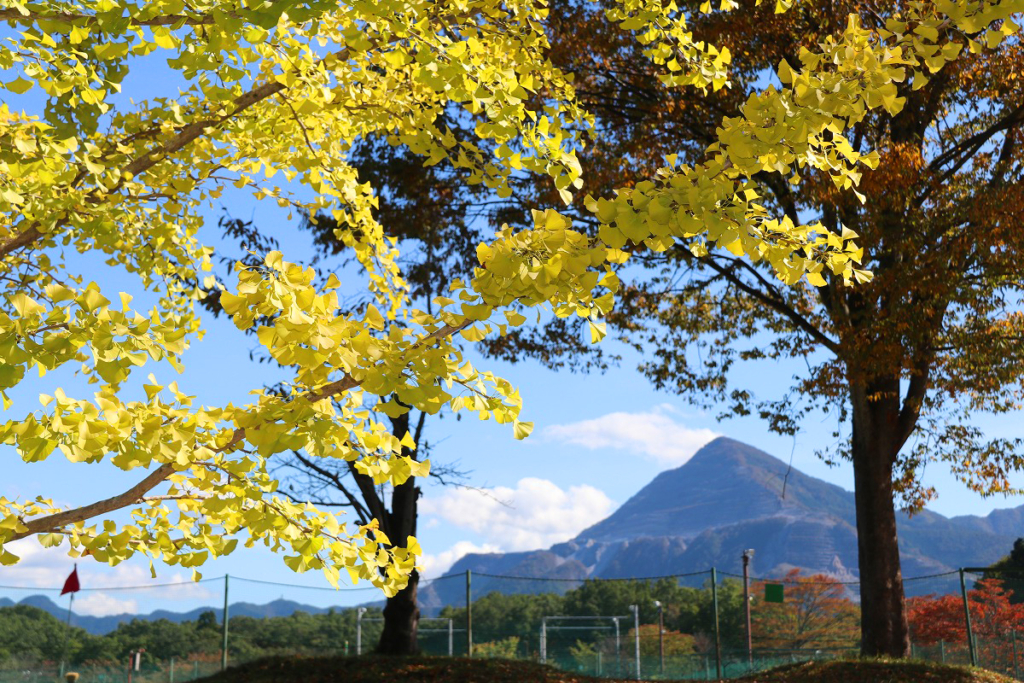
[100,625]
[728,497]
[731,496]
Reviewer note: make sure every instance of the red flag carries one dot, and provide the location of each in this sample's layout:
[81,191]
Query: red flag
[71,585]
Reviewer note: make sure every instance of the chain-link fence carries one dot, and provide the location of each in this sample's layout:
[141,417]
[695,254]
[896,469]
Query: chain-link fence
[167,632]
[172,670]
[681,627]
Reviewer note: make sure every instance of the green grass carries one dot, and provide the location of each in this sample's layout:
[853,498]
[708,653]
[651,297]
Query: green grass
[371,669]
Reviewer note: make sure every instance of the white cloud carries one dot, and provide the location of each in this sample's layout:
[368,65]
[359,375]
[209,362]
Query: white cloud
[656,434]
[535,514]
[41,567]
[438,565]
[104,604]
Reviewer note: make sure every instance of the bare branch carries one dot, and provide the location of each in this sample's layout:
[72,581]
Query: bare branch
[336,482]
[136,493]
[769,295]
[132,496]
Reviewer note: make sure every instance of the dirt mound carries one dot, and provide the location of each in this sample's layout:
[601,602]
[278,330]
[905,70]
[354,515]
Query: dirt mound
[874,671]
[372,669]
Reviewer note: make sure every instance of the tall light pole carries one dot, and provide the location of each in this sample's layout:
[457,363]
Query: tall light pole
[747,555]
[661,637]
[360,611]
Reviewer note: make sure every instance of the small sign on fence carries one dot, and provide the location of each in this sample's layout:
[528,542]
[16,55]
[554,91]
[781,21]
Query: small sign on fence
[774,592]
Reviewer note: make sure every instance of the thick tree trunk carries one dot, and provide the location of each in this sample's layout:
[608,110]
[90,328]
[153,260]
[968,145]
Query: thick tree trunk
[875,444]
[401,622]
[402,613]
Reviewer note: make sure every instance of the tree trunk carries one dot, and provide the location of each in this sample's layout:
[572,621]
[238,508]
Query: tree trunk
[402,613]
[875,445]
[401,622]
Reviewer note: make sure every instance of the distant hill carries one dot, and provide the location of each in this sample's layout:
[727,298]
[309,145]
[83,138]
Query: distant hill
[729,497]
[106,624]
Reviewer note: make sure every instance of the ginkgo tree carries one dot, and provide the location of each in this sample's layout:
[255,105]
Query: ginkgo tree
[275,95]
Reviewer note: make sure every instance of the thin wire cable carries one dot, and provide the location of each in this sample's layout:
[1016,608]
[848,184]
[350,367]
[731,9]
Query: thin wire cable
[311,588]
[799,580]
[930,576]
[583,580]
[334,590]
[217,579]
[183,584]
[117,588]
[795,581]
[506,577]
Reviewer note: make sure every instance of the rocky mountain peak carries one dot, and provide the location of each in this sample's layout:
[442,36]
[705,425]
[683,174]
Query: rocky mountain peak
[731,496]
[724,483]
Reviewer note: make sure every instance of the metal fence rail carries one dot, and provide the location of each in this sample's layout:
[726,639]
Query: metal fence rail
[632,645]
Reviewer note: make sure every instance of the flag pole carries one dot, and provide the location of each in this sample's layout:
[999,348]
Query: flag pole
[67,631]
[64,650]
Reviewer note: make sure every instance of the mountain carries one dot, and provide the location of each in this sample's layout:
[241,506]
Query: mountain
[727,498]
[106,624]
[730,497]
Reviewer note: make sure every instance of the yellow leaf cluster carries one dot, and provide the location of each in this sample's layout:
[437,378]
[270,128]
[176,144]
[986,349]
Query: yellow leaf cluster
[275,96]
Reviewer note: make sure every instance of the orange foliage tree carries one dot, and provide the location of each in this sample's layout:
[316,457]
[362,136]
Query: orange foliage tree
[899,365]
[941,618]
[994,619]
[816,613]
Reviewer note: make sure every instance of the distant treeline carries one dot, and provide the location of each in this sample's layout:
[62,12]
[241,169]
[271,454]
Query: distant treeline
[686,610]
[29,635]
[816,611]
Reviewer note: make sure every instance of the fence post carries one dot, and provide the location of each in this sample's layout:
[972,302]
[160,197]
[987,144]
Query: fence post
[967,617]
[224,629]
[718,635]
[469,613]
[618,649]
[172,670]
[195,670]
[636,637]
[661,639]
[543,640]
[1016,668]
[451,639]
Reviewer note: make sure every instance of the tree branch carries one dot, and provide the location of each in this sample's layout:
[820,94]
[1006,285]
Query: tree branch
[136,493]
[966,149]
[130,497]
[88,19]
[771,299]
[336,482]
[187,135]
[370,496]
[911,410]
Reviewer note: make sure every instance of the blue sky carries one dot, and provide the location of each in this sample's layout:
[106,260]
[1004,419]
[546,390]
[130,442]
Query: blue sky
[598,439]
